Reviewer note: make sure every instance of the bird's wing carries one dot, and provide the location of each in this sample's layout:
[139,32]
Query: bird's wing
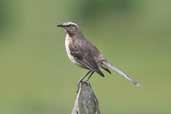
[84,56]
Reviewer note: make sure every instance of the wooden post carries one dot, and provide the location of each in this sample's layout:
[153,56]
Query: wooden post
[86,102]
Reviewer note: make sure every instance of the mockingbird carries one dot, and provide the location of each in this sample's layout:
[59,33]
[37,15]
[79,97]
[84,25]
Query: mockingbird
[84,54]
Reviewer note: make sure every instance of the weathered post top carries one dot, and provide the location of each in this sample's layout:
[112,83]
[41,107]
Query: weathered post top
[86,101]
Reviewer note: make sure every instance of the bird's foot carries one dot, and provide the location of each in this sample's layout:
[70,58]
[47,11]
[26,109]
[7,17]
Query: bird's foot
[82,79]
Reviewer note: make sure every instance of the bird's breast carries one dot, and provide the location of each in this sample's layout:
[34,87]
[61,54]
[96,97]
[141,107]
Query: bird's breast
[68,41]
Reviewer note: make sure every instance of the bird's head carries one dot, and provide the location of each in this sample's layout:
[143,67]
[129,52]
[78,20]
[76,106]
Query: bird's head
[70,27]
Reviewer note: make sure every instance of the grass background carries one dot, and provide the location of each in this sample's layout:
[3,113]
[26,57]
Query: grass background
[36,76]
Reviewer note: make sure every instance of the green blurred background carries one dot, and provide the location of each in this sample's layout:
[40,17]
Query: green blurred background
[36,77]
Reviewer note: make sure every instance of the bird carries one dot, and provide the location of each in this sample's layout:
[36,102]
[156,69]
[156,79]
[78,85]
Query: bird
[85,54]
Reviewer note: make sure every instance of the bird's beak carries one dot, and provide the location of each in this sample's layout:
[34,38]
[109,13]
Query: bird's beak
[60,25]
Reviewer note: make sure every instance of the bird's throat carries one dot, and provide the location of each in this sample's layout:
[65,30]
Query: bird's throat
[71,34]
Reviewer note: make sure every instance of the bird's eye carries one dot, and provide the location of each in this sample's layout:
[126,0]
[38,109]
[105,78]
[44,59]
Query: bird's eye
[69,25]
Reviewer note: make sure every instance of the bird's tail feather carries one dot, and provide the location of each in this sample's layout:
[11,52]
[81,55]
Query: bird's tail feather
[109,65]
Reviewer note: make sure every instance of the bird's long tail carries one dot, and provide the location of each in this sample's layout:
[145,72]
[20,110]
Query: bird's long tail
[109,65]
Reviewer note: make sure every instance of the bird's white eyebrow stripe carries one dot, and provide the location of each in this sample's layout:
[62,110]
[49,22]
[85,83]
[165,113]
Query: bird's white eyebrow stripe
[70,23]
